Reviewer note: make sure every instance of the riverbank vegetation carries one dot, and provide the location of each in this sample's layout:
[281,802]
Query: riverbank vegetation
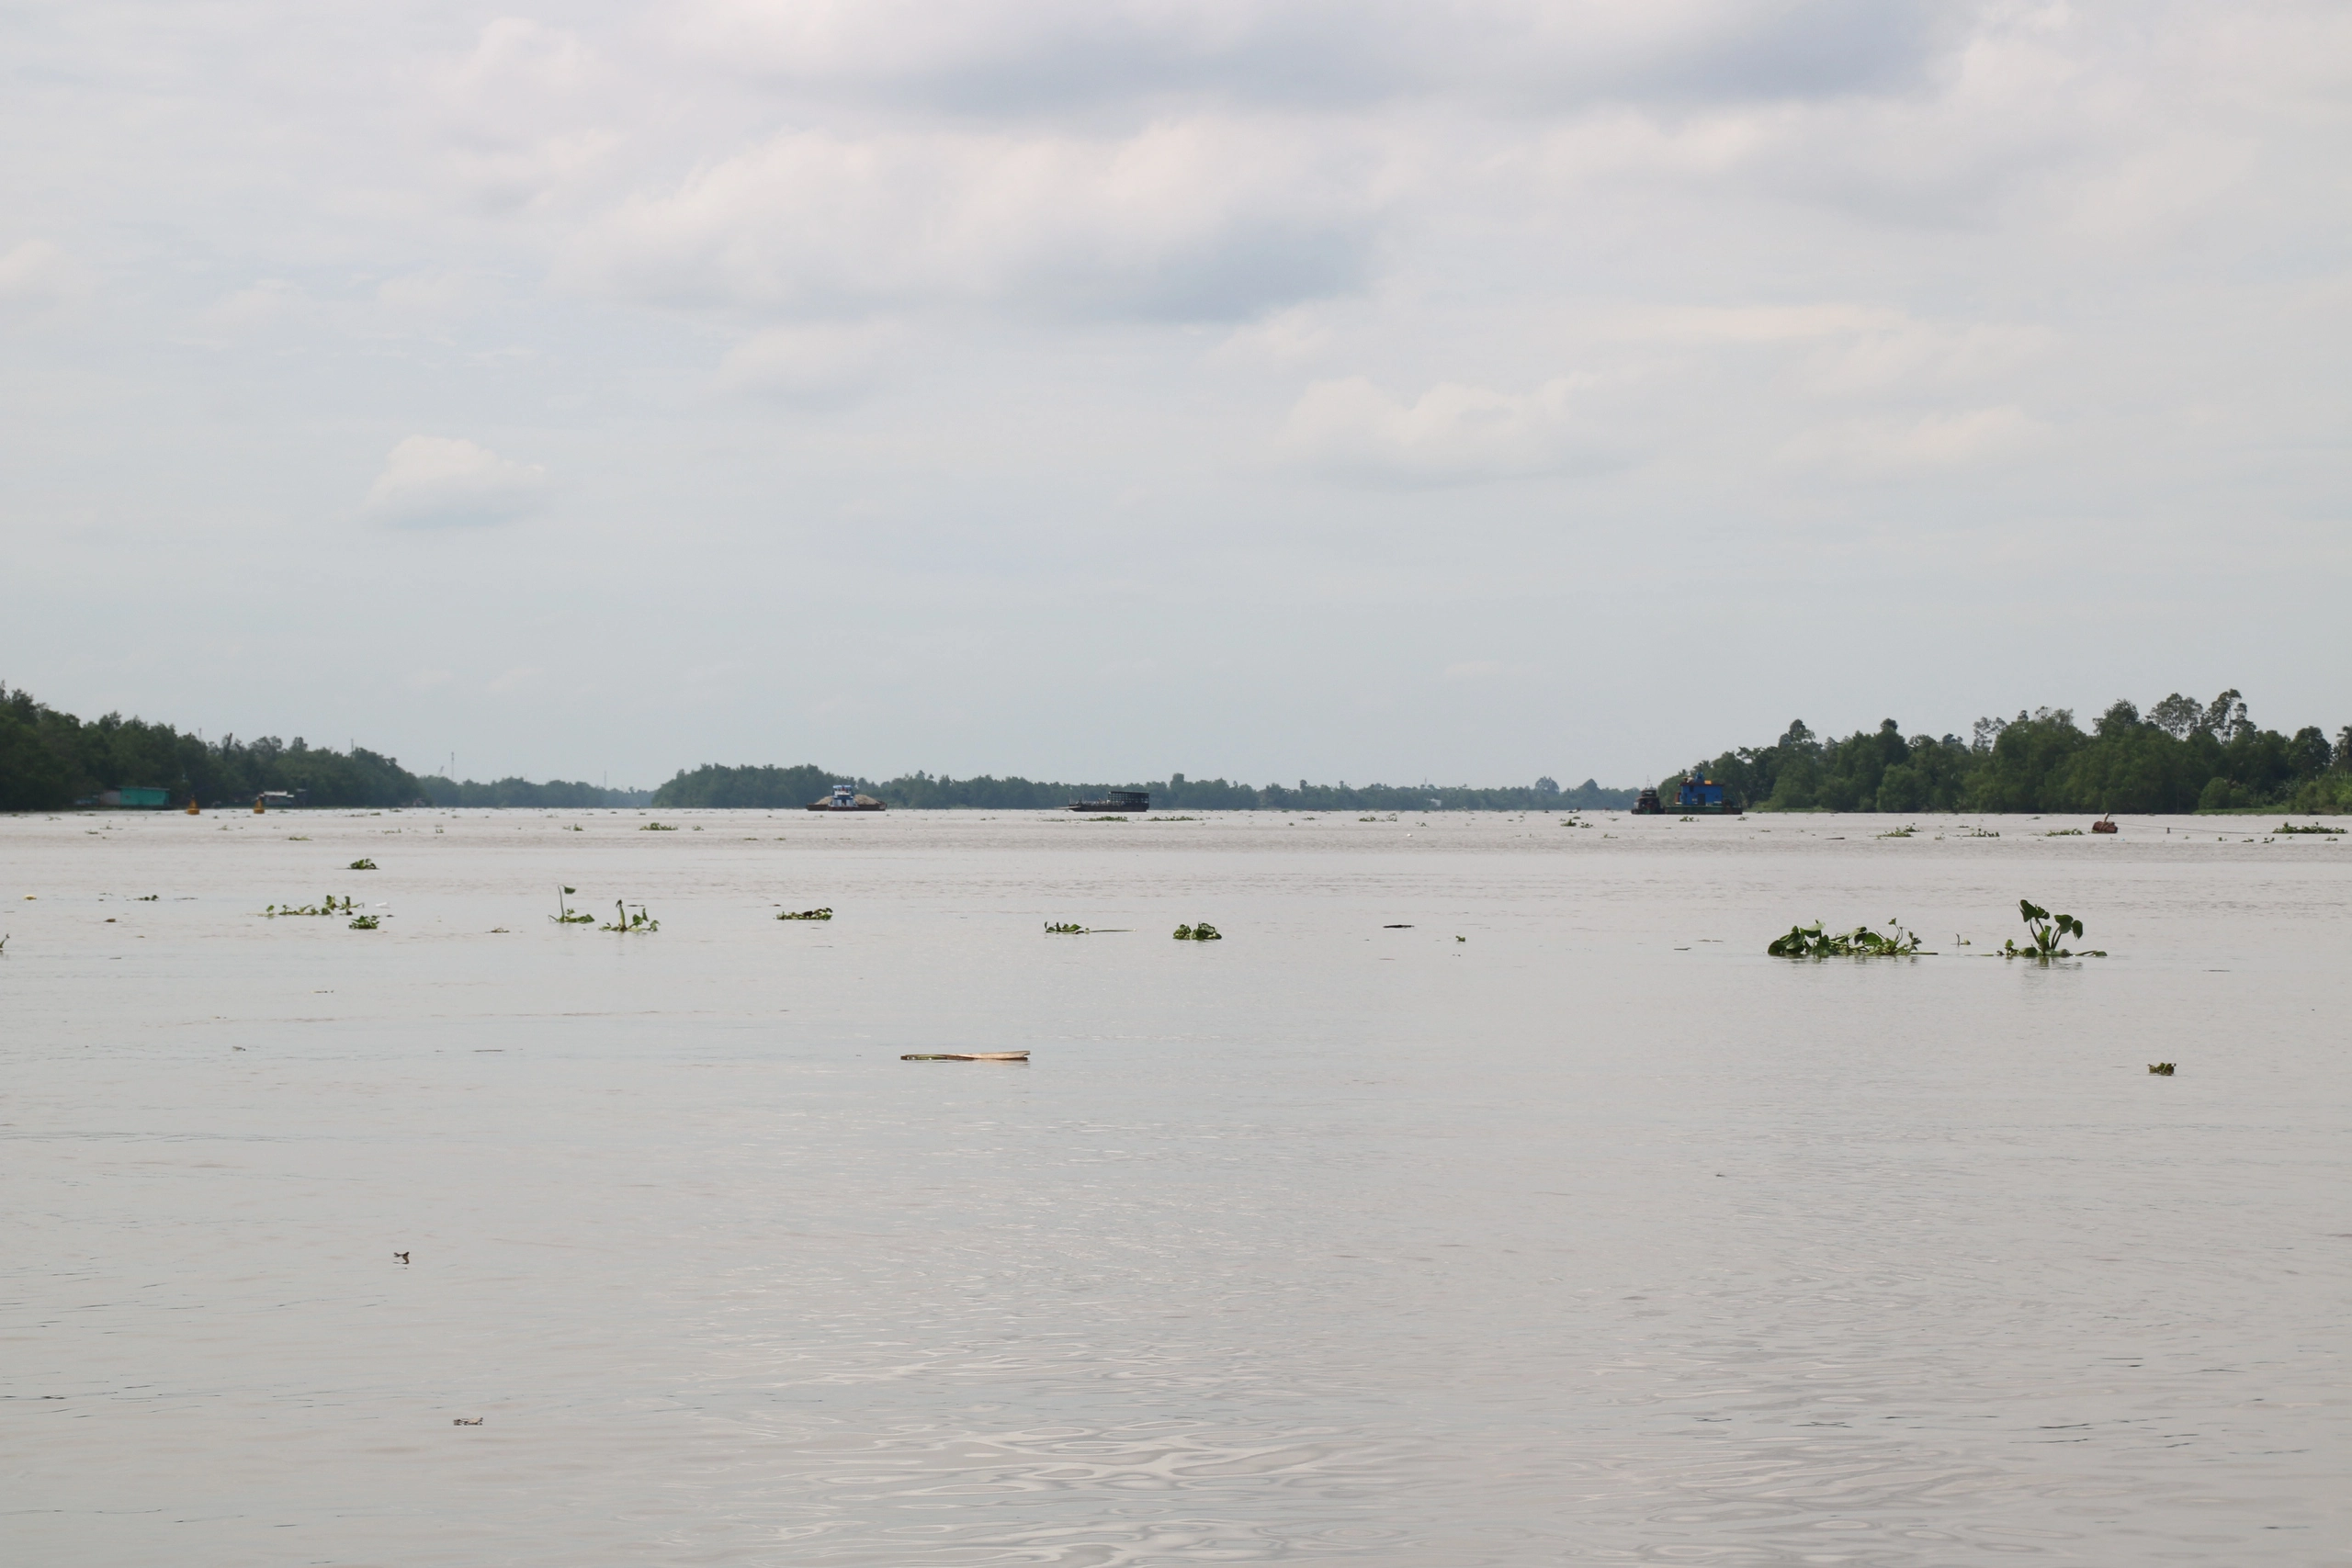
[2180,756]
[49,760]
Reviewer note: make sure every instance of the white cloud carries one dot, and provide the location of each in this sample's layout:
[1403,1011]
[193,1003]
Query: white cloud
[529,114]
[432,481]
[1881,445]
[265,304]
[38,276]
[1451,434]
[820,362]
[1205,218]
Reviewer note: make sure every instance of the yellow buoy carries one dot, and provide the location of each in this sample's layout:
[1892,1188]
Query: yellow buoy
[257,807]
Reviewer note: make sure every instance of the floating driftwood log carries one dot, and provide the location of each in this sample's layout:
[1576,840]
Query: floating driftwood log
[967,1056]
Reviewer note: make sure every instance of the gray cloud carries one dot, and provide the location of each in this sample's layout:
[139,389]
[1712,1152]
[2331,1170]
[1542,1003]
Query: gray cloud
[444,481]
[997,57]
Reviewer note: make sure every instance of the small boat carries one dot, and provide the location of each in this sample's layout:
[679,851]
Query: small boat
[1648,806]
[845,798]
[2106,825]
[1120,800]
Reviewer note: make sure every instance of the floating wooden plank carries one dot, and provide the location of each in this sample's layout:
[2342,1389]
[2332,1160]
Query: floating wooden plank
[970,1057]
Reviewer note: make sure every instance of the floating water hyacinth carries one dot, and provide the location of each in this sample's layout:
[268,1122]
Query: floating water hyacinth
[365,923]
[824,914]
[565,915]
[2044,931]
[327,906]
[625,919]
[1813,942]
[362,863]
[1201,932]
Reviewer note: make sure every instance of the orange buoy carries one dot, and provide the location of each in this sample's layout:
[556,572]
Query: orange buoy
[192,808]
[257,806]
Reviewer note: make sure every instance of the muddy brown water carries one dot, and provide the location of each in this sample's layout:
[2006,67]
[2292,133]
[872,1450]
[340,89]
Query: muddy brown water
[1594,1235]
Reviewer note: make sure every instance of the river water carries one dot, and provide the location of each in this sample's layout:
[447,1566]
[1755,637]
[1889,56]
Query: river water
[1486,1196]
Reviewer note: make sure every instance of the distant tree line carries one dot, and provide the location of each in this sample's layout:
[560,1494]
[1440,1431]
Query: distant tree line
[778,788]
[555,795]
[2181,755]
[51,760]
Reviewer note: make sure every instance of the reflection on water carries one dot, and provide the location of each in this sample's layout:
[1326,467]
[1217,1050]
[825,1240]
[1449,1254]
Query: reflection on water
[1597,1235]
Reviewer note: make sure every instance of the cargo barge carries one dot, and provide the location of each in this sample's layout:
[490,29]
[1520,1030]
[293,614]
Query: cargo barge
[1693,797]
[1118,800]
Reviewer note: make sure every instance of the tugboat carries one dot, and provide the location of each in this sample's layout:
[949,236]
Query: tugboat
[845,798]
[1119,800]
[1646,805]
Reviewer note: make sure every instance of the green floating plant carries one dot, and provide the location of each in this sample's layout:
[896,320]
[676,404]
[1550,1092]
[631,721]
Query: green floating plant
[1813,942]
[2162,1069]
[567,915]
[625,919]
[659,828]
[1054,930]
[365,923]
[823,914]
[2044,931]
[1201,932]
[362,863]
[327,906]
[2314,828]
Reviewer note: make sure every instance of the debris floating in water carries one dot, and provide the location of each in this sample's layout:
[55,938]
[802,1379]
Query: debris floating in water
[966,1056]
[2162,1069]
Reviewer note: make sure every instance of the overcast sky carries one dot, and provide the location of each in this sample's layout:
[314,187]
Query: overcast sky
[1094,389]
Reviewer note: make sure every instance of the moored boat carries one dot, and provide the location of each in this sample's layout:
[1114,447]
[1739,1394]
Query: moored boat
[847,798]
